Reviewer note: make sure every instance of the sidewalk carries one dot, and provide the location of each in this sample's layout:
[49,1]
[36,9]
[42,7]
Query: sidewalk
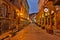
[5,35]
[55,32]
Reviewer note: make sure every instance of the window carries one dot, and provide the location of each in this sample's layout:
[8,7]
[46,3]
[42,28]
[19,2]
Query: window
[15,15]
[45,18]
[5,26]
[48,21]
[0,11]
[52,18]
[57,2]
[42,21]
[12,1]
[4,10]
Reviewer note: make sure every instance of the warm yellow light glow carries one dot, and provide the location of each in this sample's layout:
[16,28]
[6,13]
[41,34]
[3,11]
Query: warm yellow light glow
[21,14]
[48,13]
[18,14]
[28,18]
[52,12]
[42,15]
[17,11]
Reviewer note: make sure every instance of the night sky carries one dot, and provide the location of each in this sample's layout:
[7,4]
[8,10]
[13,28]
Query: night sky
[33,6]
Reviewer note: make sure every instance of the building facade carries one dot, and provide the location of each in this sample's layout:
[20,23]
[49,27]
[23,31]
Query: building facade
[48,15]
[25,9]
[24,12]
[10,13]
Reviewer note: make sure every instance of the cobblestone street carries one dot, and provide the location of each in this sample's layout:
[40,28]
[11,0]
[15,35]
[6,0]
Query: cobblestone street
[33,32]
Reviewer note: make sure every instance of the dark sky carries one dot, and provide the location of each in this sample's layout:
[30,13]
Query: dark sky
[33,5]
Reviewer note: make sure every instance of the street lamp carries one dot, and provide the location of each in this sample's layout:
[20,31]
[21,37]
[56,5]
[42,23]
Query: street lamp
[46,9]
[21,14]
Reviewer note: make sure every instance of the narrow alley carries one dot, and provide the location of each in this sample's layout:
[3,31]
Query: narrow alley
[29,19]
